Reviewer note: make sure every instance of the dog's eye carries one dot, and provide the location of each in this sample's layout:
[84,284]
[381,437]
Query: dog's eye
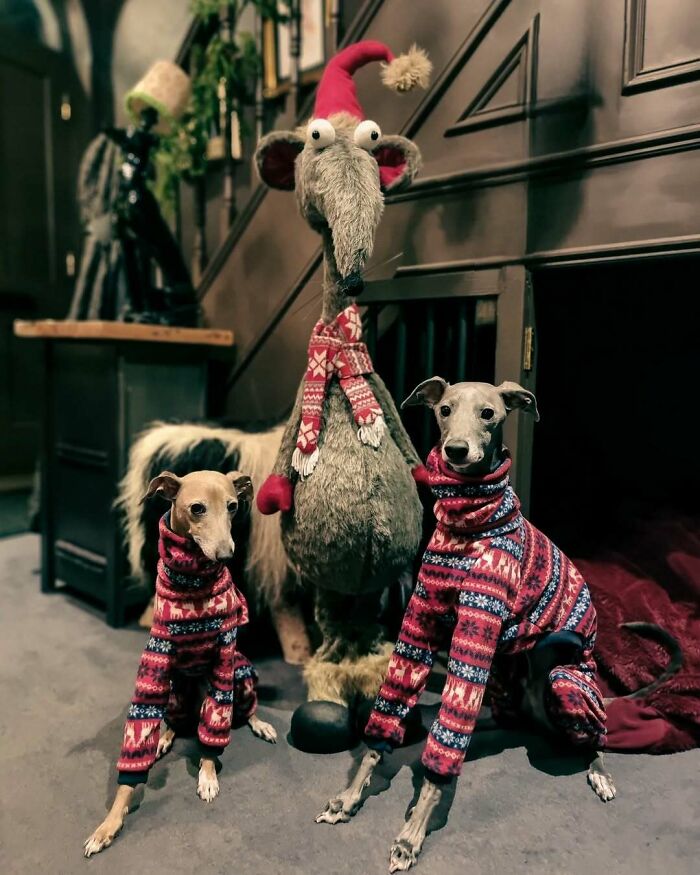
[487,413]
[198,509]
[445,410]
[232,507]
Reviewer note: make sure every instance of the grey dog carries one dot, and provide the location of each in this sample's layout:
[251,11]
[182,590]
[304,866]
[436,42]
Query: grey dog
[471,417]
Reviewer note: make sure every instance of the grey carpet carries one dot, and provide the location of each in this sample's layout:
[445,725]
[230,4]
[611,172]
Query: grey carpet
[66,679]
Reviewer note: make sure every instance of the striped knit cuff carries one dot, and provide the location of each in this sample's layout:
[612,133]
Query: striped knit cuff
[437,778]
[210,750]
[131,779]
[379,744]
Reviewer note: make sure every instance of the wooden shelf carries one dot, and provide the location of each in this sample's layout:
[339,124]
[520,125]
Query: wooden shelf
[99,330]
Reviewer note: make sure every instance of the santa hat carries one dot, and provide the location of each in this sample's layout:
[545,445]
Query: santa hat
[336,90]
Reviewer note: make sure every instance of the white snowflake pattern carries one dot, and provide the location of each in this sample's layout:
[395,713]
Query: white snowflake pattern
[307,433]
[354,324]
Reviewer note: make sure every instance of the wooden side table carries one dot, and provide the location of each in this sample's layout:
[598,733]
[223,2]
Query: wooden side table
[104,382]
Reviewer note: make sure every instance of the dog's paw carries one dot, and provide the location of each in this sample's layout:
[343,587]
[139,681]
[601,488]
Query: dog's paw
[207,786]
[602,785]
[402,856]
[263,730]
[102,838]
[337,811]
[165,742]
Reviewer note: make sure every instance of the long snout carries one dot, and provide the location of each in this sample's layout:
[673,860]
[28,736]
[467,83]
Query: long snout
[461,452]
[352,210]
[217,547]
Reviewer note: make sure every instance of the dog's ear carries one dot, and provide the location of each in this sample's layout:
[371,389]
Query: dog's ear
[429,392]
[242,484]
[275,157]
[165,484]
[517,398]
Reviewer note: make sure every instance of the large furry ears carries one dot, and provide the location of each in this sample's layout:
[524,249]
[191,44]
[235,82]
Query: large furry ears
[429,392]
[516,398]
[275,156]
[165,484]
[399,161]
[242,484]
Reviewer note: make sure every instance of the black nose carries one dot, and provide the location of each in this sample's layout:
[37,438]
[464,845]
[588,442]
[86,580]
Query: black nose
[353,284]
[457,451]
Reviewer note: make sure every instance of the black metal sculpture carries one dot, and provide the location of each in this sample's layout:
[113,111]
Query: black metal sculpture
[145,236]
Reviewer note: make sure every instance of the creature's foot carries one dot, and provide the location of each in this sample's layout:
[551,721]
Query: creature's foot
[263,730]
[165,742]
[601,780]
[103,836]
[344,806]
[322,727]
[409,842]
[207,783]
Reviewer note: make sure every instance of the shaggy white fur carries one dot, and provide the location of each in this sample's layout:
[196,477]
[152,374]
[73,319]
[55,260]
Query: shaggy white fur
[407,70]
[267,565]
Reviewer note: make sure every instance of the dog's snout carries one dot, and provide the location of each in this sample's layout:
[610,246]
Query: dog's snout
[225,551]
[353,284]
[457,451]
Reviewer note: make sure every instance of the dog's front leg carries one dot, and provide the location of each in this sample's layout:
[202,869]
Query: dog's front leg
[165,742]
[262,729]
[409,842]
[105,833]
[600,779]
[342,807]
[207,782]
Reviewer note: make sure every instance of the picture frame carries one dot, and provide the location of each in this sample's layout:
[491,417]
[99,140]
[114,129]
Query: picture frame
[276,36]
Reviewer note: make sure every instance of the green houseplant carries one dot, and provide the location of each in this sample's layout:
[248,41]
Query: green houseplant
[230,60]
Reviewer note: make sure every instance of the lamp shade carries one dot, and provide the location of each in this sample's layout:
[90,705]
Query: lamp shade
[164,87]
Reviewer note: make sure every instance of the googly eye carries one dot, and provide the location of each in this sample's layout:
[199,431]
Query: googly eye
[367,135]
[320,133]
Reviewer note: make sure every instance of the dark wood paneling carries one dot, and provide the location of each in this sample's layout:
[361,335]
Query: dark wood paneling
[662,44]
[559,162]
[39,154]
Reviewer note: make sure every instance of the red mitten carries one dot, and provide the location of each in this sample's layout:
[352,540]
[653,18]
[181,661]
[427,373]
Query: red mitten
[420,475]
[276,494]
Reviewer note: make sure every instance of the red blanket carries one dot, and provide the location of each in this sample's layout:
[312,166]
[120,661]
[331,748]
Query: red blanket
[661,586]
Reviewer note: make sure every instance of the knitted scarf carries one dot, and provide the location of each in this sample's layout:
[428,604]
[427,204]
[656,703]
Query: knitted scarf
[191,587]
[473,507]
[336,349]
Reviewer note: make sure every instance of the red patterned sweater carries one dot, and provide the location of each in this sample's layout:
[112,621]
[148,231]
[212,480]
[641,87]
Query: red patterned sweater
[490,583]
[197,611]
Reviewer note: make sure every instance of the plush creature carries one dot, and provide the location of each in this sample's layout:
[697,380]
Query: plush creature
[351,516]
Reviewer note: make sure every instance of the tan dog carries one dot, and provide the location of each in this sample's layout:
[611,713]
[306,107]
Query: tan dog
[203,505]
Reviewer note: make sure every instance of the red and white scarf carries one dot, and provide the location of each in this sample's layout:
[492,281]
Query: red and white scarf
[336,349]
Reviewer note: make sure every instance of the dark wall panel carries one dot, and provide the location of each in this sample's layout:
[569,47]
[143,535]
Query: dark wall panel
[552,131]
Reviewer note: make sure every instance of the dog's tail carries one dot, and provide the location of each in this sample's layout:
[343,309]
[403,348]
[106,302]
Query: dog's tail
[658,634]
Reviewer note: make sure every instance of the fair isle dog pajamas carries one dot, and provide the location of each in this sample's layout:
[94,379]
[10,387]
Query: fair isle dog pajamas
[498,586]
[197,612]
